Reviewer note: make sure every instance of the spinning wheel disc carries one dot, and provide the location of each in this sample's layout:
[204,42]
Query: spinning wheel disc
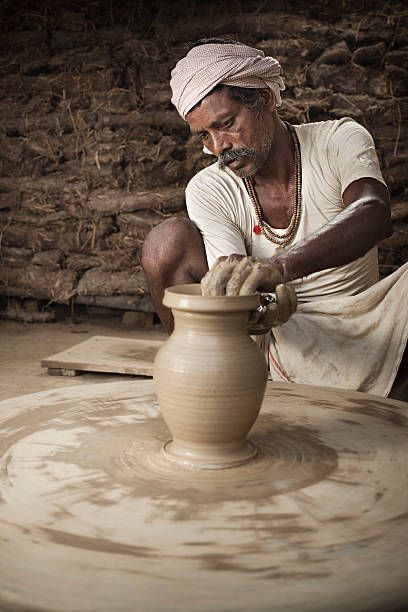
[93,517]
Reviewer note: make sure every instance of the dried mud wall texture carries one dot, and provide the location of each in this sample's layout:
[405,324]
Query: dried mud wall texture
[92,154]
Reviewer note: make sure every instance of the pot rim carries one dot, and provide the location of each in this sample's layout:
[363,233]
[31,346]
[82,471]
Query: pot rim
[188,297]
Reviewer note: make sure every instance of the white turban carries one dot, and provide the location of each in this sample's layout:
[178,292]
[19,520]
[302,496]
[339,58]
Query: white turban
[208,65]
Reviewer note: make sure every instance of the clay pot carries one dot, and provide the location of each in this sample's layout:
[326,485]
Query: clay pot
[210,378]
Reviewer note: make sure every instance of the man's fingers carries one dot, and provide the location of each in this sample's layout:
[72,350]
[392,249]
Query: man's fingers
[284,308]
[279,313]
[293,299]
[216,279]
[284,303]
[242,271]
[237,275]
[263,277]
[251,283]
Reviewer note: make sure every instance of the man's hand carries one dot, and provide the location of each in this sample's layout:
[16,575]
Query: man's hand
[237,275]
[273,314]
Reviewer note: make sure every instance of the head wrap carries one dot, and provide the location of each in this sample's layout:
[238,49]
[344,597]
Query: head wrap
[208,65]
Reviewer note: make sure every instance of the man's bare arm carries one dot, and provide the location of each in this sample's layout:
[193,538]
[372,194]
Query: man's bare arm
[353,232]
[360,226]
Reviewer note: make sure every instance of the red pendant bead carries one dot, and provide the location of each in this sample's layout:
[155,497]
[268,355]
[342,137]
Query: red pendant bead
[257,229]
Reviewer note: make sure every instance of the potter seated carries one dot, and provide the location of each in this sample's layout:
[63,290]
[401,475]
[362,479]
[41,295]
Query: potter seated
[294,209]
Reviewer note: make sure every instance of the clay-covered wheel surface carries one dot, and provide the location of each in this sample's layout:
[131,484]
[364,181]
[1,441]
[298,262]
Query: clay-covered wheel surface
[93,517]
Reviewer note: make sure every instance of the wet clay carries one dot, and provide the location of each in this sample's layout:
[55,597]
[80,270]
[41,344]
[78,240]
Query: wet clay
[209,378]
[94,518]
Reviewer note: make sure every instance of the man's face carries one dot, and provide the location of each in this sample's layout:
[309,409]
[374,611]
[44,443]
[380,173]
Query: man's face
[239,136]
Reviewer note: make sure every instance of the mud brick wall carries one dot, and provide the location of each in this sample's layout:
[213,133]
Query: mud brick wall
[92,154]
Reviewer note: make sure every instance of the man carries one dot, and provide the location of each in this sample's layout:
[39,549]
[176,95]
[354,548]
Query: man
[304,205]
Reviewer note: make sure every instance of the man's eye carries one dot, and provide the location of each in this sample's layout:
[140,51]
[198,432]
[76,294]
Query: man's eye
[203,136]
[227,124]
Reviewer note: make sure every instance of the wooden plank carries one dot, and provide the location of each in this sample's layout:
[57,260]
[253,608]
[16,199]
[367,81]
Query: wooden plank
[106,354]
[63,372]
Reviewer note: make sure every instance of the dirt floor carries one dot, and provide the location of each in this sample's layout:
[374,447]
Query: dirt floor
[23,346]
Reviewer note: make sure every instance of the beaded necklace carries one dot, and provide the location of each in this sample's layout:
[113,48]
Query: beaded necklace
[280,239]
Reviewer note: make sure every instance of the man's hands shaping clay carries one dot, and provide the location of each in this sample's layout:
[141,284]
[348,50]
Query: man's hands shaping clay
[237,275]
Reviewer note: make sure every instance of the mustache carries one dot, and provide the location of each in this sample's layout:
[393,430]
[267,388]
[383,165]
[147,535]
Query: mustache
[227,157]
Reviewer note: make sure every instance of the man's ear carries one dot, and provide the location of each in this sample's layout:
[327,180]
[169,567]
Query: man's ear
[267,99]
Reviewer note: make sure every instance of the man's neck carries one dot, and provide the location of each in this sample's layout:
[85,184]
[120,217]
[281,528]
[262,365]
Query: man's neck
[279,167]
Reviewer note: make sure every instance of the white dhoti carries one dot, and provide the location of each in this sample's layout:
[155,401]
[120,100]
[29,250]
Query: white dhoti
[351,342]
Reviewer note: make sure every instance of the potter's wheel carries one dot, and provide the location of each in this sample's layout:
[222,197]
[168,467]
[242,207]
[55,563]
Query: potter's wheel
[93,517]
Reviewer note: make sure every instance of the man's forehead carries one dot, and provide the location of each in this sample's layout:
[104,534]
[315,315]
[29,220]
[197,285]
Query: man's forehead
[212,109]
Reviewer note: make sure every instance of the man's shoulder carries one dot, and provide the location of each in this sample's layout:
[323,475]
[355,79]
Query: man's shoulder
[211,176]
[209,172]
[321,132]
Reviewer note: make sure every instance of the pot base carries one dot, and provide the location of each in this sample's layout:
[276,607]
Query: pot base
[213,459]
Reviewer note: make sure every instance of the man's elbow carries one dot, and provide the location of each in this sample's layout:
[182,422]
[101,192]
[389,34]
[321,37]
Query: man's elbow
[386,225]
[384,221]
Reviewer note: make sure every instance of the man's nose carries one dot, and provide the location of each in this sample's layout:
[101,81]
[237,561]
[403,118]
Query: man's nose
[220,143]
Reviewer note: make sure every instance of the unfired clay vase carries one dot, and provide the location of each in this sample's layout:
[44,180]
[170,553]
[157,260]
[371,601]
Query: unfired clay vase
[210,378]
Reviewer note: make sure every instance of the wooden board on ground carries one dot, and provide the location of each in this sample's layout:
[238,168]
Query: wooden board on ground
[105,354]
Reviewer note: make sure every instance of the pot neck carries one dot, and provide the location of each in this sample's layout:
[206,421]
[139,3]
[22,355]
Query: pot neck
[210,323]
